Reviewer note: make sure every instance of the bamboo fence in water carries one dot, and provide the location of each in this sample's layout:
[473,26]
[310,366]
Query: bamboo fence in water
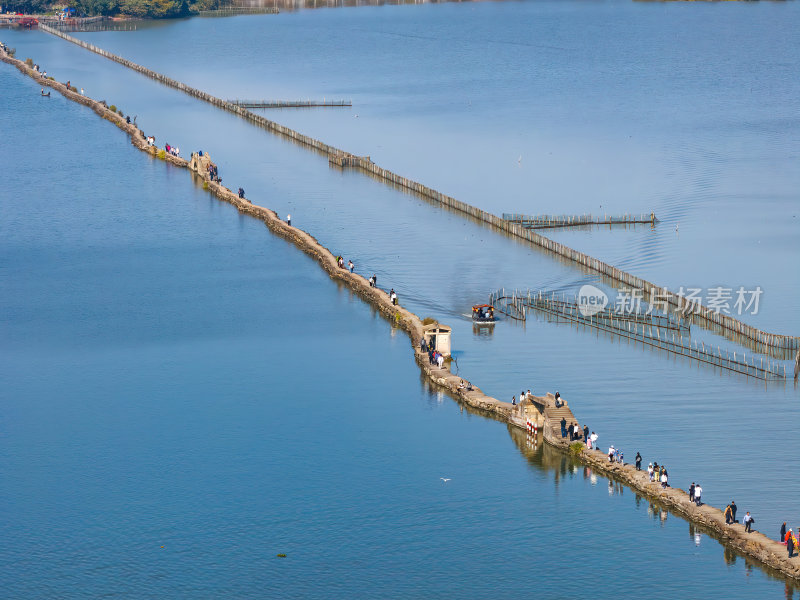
[786,344]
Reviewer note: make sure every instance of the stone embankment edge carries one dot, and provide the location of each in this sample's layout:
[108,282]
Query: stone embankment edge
[376,297]
[754,545]
[770,553]
[725,324]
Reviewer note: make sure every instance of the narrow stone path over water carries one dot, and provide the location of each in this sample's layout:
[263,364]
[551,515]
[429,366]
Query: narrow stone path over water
[768,552]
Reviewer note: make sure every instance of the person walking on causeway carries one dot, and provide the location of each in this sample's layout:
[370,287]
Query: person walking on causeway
[728,515]
[748,522]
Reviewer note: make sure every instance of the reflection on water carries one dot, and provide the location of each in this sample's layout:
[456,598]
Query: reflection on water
[639,400]
[483,330]
[561,466]
[188,434]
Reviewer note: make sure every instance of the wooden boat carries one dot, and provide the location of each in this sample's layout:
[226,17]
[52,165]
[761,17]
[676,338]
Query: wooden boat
[483,314]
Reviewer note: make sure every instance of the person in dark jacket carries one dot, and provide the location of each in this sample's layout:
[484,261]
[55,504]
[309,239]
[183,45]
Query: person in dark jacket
[783,532]
[733,511]
[790,544]
[563,427]
[638,462]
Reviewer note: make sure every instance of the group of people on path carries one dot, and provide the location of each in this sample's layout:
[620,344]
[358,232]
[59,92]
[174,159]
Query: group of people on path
[730,513]
[174,150]
[435,357]
[373,281]
[350,266]
[730,517]
[615,455]
[788,539]
[213,173]
[657,473]
[574,431]
[696,494]
[523,395]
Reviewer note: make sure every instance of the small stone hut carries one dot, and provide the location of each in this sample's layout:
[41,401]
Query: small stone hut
[437,336]
[199,164]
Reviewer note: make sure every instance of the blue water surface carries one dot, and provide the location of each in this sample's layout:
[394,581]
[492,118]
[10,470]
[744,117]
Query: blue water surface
[186,396]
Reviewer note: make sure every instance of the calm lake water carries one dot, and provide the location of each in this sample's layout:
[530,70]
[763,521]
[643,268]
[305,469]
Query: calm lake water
[688,110]
[179,378]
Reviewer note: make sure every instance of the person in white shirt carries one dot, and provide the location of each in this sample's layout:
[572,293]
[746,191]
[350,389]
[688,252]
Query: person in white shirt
[611,454]
[440,360]
[698,492]
[748,522]
[593,438]
[650,471]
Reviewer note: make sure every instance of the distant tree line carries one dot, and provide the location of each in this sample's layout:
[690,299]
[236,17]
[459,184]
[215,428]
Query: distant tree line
[156,9]
[26,6]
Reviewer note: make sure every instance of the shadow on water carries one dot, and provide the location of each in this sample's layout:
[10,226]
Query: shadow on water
[561,465]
